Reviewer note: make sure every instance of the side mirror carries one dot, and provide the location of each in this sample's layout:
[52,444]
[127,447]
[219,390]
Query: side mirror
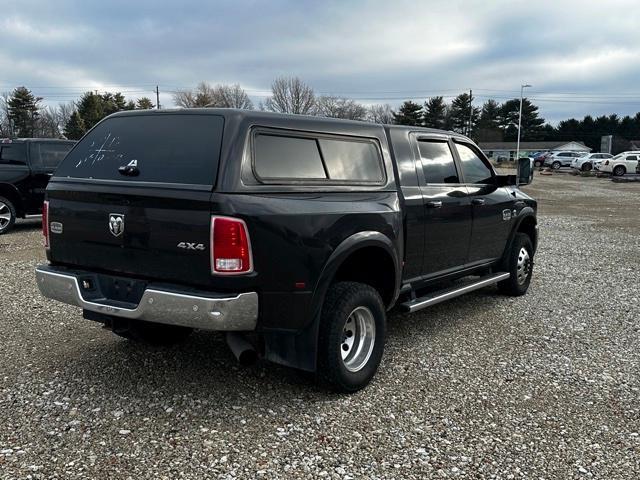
[525,171]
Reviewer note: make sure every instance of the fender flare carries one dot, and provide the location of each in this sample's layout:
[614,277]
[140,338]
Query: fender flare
[526,212]
[348,246]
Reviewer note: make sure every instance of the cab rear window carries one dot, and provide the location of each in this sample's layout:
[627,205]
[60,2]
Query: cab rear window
[164,148]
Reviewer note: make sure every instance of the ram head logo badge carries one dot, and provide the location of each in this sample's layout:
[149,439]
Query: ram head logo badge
[116,224]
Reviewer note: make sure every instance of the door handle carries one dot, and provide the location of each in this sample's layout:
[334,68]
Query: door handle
[434,204]
[477,201]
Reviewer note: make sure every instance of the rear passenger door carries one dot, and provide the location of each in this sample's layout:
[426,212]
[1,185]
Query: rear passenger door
[491,205]
[631,162]
[447,207]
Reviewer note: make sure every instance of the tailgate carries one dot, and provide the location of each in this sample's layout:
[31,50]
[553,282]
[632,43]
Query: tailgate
[150,220]
[143,232]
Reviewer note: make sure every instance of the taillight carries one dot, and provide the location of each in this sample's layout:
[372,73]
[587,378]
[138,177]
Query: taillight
[45,223]
[230,246]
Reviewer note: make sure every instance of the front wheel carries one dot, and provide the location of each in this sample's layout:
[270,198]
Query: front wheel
[7,215]
[586,167]
[556,165]
[619,171]
[351,337]
[520,265]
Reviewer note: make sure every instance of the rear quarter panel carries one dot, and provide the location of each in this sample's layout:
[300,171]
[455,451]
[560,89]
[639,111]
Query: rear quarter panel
[294,234]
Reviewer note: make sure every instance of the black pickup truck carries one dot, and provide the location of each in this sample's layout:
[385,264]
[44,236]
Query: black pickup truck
[25,168]
[293,234]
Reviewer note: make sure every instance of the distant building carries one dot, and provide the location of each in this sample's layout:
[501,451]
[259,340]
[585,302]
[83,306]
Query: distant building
[508,149]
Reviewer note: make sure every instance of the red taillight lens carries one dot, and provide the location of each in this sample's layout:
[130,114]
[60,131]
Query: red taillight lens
[230,246]
[45,223]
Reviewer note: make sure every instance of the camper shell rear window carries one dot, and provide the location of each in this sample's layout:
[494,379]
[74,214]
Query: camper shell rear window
[165,148]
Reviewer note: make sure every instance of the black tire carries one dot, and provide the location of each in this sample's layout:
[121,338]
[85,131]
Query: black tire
[556,165]
[518,283]
[586,167]
[344,302]
[7,210]
[537,163]
[149,333]
[619,171]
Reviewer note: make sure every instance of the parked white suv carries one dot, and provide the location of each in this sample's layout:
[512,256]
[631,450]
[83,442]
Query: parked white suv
[625,162]
[588,161]
[561,159]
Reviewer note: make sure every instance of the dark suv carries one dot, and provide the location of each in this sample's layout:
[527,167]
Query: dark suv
[293,234]
[25,168]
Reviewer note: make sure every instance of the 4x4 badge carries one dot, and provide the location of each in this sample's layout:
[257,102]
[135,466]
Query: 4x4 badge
[116,224]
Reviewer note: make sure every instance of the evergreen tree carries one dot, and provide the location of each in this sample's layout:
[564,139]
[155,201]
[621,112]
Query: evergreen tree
[435,113]
[144,103]
[488,128]
[531,128]
[462,110]
[93,107]
[23,111]
[114,102]
[75,127]
[410,113]
[489,115]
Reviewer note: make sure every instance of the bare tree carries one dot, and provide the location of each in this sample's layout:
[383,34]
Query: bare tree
[291,95]
[221,96]
[201,96]
[232,96]
[48,125]
[338,107]
[380,114]
[65,110]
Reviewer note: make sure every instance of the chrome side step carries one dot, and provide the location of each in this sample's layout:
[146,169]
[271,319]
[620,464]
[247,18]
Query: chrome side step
[443,295]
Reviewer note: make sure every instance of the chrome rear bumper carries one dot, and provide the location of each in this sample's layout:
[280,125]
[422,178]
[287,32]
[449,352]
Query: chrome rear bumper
[236,312]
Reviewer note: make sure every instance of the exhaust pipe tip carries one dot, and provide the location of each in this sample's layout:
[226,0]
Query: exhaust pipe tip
[242,349]
[248,358]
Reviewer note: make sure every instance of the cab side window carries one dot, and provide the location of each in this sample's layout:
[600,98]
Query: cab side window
[474,169]
[13,154]
[437,162]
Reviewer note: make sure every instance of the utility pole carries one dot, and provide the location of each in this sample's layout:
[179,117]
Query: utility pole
[522,87]
[157,97]
[470,111]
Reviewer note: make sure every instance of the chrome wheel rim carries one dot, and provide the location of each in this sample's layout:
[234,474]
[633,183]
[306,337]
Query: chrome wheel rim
[5,215]
[358,339]
[524,266]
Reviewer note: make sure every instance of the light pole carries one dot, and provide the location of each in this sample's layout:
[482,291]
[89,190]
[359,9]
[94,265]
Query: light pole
[522,87]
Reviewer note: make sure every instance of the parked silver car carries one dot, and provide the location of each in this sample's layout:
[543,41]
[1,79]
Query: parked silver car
[561,159]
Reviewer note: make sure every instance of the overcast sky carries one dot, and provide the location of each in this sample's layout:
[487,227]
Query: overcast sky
[582,57]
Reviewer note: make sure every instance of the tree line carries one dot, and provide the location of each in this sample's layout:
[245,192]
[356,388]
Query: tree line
[23,115]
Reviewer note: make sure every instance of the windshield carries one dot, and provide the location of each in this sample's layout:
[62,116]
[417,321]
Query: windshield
[171,148]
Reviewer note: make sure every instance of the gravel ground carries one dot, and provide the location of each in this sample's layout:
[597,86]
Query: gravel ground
[485,386]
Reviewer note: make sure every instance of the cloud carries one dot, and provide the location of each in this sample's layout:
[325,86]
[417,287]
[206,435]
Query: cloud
[376,51]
